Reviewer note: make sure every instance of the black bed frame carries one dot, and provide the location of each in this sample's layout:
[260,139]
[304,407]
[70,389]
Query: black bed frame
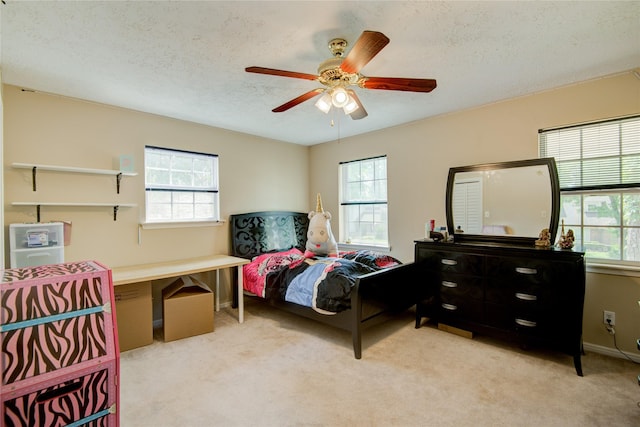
[376,297]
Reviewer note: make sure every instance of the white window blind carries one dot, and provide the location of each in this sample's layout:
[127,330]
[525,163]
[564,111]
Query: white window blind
[596,155]
[467,206]
[181,185]
[363,202]
[599,172]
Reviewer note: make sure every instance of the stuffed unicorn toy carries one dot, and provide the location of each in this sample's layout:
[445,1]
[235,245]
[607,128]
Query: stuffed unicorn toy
[320,240]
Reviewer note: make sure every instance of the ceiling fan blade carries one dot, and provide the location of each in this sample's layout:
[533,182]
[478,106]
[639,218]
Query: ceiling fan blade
[274,72]
[298,100]
[398,83]
[360,113]
[363,51]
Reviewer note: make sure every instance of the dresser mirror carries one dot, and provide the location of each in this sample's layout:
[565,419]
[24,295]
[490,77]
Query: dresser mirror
[506,203]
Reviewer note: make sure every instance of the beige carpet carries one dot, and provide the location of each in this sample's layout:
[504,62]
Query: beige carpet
[277,369]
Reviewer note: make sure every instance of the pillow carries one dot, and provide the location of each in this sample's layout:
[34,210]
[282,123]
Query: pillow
[255,273]
[262,257]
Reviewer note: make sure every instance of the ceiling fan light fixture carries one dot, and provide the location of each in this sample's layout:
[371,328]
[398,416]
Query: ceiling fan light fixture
[324,103]
[339,97]
[350,106]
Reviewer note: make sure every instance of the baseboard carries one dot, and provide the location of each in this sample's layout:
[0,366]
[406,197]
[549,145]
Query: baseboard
[608,351]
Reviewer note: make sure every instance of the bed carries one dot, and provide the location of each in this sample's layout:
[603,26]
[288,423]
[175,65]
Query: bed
[374,296]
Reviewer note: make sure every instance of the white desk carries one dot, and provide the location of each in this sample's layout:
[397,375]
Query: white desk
[162,270]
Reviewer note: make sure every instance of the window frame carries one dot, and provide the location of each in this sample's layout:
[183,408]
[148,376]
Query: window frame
[176,189]
[582,179]
[347,203]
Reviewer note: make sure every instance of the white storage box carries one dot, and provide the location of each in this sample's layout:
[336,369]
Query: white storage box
[34,244]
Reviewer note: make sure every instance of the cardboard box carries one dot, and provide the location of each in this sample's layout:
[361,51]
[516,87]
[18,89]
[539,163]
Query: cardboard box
[187,309]
[134,314]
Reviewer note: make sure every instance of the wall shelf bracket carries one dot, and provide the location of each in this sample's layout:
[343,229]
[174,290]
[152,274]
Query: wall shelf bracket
[33,177]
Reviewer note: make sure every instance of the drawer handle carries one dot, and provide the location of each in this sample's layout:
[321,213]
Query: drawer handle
[525,270]
[449,307]
[449,284]
[449,261]
[526,297]
[59,392]
[527,323]
[38,254]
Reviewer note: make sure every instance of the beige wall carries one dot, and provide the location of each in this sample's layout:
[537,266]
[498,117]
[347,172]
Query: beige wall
[420,154]
[255,174]
[48,129]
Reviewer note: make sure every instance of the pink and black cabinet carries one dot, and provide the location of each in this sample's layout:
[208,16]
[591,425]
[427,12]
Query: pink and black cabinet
[60,357]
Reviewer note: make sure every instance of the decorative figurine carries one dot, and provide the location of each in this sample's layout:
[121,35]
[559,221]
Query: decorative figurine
[566,240]
[544,239]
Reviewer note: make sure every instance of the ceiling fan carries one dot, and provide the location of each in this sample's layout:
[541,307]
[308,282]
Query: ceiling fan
[338,74]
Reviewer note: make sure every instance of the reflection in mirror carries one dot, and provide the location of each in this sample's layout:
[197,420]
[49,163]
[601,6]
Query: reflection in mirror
[503,201]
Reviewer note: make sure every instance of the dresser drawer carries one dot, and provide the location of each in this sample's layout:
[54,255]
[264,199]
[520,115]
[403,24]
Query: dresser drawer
[533,271]
[460,285]
[452,308]
[528,320]
[454,262]
[522,269]
[519,292]
[82,397]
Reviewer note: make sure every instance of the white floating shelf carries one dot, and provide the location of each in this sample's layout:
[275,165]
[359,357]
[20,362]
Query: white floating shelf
[72,169]
[115,206]
[35,167]
[121,205]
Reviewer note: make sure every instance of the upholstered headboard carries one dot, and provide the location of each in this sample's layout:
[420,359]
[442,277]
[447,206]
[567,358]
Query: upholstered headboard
[257,233]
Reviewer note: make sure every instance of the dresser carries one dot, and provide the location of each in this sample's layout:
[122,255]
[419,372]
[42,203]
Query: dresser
[526,295]
[58,338]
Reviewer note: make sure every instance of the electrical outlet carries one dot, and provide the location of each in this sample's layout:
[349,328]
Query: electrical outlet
[609,318]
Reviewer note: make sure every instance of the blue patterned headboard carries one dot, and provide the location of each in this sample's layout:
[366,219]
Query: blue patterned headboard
[257,233]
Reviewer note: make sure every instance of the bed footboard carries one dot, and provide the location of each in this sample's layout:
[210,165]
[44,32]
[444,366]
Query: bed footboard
[378,296]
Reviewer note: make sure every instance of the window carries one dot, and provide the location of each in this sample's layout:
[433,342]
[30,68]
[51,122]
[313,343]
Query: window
[180,185]
[599,171]
[363,202]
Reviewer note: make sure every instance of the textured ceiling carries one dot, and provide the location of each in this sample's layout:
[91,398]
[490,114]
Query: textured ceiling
[186,59]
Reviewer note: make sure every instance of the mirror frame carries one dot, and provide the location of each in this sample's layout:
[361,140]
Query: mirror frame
[505,239]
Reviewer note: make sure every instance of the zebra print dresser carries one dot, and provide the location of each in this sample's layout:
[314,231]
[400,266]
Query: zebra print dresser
[58,335]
